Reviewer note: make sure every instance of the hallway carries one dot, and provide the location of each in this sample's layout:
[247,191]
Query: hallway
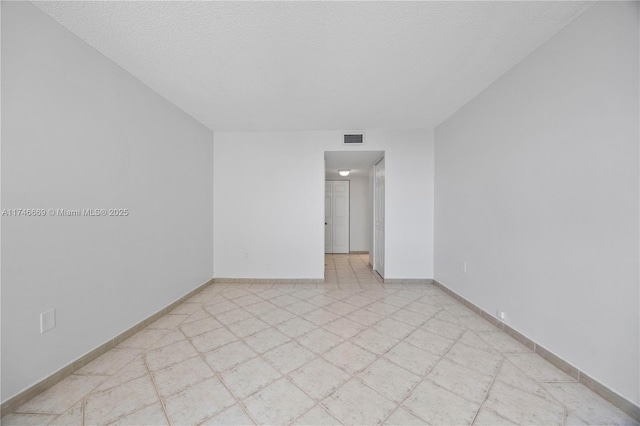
[350,351]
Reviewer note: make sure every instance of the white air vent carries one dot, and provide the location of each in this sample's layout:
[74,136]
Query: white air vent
[353,139]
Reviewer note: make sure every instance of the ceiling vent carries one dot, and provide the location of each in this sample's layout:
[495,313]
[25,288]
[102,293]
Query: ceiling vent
[353,139]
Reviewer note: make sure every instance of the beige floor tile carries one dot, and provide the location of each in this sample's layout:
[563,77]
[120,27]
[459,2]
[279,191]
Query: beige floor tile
[304,294]
[269,294]
[296,327]
[471,338]
[16,419]
[512,376]
[151,415]
[179,376]
[107,406]
[172,336]
[477,323]
[234,415]
[277,316]
[389,379]
[383,308]
[443,328]
[301,308]
[394,328]
[133,370]
[489,418]
[538,369]
[250,376]
[430,342]
[143,339]
[446,316]
[277,404]
[168,321]
[356,404]
[349,357]
[341,308]
[266,340]
[212,340]
[317,416]
[408,317]
[167,355]
[62,396]
[246,300]
[197,403]
[229,356]
[344,328]
[460,380]
[588,406]
[320,341]
[109,363]
[186,308]
[321,300]
[321,316]
[74,416]
[502,342]
[412,358]
[201,326]
[365,317]
[438,406]
[571,419]
[319,378]
[522,407]
[474,358]
[405,343]
[260,308]
[235,315]
[283,300]
[374,341]
[221,308]
[288,357]
[247,327]
[402,417]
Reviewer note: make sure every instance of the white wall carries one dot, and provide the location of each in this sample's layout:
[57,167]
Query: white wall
[269,198]
[537,190]
[79,132]
[361,213]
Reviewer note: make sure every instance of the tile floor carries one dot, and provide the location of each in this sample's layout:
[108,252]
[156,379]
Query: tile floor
[352,351]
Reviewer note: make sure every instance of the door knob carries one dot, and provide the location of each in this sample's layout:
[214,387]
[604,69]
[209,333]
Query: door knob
[325,223]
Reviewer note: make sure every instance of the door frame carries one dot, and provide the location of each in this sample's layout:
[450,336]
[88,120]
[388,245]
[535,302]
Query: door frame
[376,244]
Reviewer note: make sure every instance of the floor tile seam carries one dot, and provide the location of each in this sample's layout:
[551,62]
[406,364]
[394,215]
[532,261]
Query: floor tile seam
[95,389]
[540,382]
[318,404]
[233,395]
[425,378]
[17,411]
[84,410]
[486,394]
[502,358]
[158,399]
[555,400]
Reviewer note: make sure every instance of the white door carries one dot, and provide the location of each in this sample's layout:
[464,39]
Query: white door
[328,222]
[378,237]
[336,217]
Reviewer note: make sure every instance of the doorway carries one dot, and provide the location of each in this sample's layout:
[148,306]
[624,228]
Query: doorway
[362,239]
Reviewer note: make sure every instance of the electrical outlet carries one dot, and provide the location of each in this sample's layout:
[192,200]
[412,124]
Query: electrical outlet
[502,316]
[464,267]
[47,320]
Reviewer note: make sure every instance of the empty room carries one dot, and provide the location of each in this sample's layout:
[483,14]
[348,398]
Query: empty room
[320,213]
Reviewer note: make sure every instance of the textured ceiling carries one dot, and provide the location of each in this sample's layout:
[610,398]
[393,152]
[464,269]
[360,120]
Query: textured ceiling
[315,65]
